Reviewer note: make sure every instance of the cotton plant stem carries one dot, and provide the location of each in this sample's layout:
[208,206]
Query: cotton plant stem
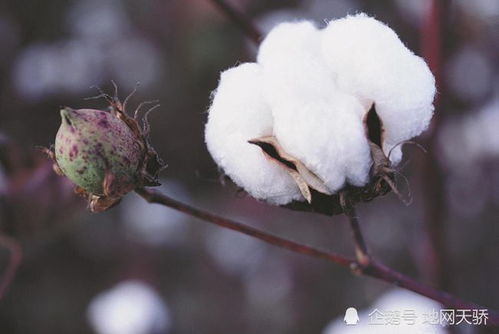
[372,268]
[239,19]
[15,256]
[361,251]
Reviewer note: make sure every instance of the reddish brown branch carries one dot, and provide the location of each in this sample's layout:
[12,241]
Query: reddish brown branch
[153,196]
[243,23]
[15,255]
[372,268]
[434,255]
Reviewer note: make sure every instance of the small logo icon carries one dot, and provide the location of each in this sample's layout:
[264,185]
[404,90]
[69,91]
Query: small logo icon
[351,316]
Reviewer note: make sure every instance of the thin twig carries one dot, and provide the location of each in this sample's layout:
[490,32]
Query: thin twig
[153,196]
[373,268]
[361,251]
[15,256]
[247,27]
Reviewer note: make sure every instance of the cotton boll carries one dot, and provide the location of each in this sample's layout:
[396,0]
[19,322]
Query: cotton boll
[372,63]
[311,90]
[239,113]
[313,121]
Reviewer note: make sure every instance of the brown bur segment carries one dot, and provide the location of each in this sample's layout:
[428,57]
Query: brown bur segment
[305,179]
[332,205]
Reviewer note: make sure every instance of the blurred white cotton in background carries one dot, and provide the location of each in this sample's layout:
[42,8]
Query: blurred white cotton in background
[464,144]
[129,58]
[486,123]
[486,10]
[269,282]
[133,60]
[156,224]
[80,64]
[36,61]
[414,11]
[64,67]
[469,74]
[101,45]
[268,289]
[98,20]
[234,253]
[394,300]
[130,307]
[464,140]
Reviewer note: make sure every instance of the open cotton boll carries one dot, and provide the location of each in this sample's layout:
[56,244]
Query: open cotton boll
[372,63]
[239,113]
[313,121]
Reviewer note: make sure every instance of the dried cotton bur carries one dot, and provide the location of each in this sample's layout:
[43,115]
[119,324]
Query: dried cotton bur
[319,119]
[105,153]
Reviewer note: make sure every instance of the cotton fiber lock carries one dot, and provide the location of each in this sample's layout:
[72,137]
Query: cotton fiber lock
[294,122]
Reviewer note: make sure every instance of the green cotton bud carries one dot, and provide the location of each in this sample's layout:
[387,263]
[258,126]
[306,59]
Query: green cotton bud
[91,143]
[106,154]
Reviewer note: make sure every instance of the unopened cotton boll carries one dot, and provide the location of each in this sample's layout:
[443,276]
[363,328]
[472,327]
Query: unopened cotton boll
[314,121]
[240,113]
[373,64]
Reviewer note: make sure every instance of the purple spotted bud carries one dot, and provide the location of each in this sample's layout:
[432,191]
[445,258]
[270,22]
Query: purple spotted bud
[106,154]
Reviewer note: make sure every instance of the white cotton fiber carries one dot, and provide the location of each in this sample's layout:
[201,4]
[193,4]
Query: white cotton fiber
[240,113]
[313,120]
[373,64]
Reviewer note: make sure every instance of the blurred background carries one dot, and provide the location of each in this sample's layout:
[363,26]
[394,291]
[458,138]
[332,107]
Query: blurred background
[142,268]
